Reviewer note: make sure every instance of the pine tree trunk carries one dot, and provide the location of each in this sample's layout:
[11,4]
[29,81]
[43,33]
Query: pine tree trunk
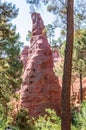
[81,92]
[66,86]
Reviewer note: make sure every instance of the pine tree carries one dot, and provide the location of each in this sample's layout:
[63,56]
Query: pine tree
[10,66]
[79,57]
[66,85]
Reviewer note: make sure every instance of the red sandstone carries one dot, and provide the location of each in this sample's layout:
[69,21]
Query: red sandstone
[40,88]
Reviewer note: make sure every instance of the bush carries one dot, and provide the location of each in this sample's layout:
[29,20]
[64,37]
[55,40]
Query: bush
[79,118]
[50,121]
[3,119]
[23,120]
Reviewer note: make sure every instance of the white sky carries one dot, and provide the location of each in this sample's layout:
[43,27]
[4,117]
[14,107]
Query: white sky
[23,20]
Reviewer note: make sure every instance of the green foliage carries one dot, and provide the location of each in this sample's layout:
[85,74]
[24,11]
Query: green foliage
[4,121]
[79,55]
[10,66]
[28,37]
[54,43]
[82,117]
[22,120]
[79,117]
[74,114]
[62,49]
[59,8]
[48,121]
[58,69]
[8,10]
[74,128]
[50,32]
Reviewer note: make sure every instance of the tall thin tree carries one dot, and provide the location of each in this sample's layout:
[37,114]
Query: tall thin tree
[66,86]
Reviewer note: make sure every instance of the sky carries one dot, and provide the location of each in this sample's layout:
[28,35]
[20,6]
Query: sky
[23,21]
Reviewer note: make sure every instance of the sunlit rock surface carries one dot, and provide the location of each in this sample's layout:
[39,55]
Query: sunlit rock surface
[40,87]
[24,56]
[75,91]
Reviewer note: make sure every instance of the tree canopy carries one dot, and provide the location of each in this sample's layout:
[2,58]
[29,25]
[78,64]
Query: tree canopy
[10,66]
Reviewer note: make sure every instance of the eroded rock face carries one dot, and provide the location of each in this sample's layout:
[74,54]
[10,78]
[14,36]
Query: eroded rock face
[75,91]
[40,88]
[24,56]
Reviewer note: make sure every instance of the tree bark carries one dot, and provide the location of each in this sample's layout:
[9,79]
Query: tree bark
[66,85]
[81,92]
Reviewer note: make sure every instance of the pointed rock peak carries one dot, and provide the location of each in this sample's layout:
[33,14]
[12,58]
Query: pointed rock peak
[37,24]
[40,87]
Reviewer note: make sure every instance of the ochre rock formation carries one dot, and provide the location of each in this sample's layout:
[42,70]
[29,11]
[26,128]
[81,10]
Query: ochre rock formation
[75,85]
[24,56]
[75,91]
[40,88]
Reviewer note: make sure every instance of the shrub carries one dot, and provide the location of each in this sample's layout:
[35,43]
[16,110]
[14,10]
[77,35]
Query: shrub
[23,120]
[79,118]
[50,121]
